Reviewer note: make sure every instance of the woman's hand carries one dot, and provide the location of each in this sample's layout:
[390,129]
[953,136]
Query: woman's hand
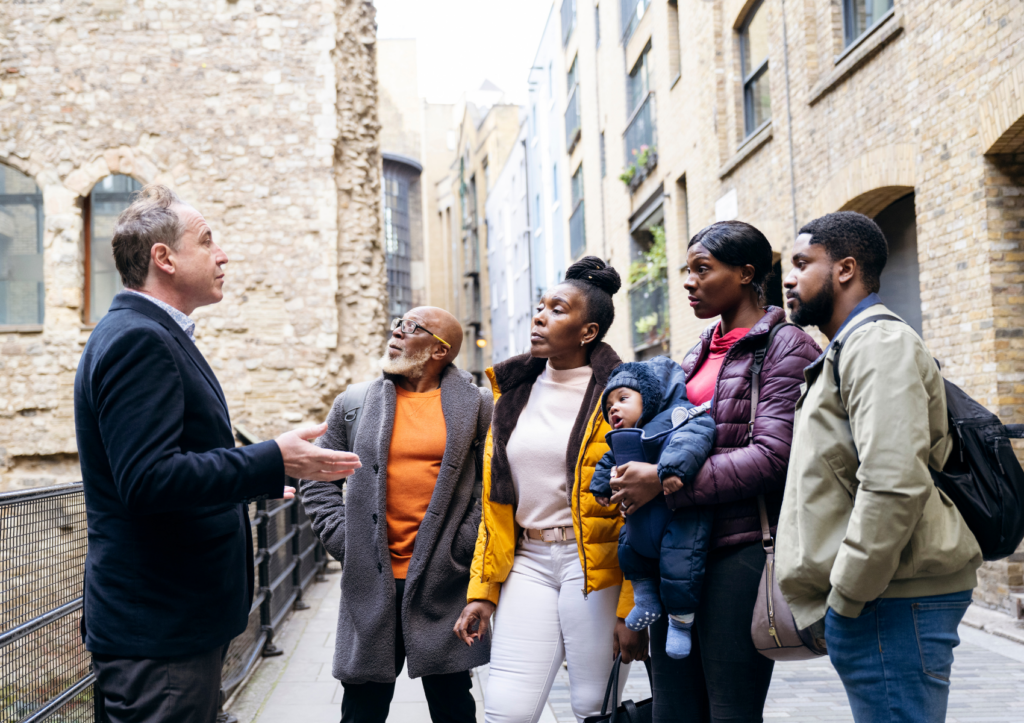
[632,645]
[635,484]
[474,621]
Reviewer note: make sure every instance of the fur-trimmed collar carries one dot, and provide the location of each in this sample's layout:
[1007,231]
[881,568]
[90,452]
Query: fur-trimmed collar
[514,378]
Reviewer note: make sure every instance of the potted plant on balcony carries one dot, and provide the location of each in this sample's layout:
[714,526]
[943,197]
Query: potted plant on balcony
[637,172]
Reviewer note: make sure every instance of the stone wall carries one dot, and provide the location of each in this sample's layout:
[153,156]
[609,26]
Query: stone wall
[260,114]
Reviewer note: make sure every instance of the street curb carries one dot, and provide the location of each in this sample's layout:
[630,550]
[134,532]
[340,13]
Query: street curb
[995,623]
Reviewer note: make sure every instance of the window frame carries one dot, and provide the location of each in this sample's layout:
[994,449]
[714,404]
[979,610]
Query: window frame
[87,219]
[35,199]
[643,63]
[567,30]
[749,80]
[849,23]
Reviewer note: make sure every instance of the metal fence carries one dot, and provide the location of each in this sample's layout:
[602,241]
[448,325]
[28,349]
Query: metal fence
[44,667]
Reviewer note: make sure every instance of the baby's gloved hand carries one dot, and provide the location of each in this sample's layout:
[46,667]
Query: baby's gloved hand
[672,484]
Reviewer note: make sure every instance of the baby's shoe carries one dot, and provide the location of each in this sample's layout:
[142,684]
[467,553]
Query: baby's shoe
[646,605]
[679,640]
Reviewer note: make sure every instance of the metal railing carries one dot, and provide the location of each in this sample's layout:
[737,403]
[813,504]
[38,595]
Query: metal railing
[44,667]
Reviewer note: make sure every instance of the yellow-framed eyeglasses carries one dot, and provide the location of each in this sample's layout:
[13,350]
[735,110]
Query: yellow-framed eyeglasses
[409,327]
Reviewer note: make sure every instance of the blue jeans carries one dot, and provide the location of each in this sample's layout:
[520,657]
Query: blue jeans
[895,658]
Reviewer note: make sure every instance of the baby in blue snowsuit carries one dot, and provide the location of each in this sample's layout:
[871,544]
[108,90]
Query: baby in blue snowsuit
[660,551]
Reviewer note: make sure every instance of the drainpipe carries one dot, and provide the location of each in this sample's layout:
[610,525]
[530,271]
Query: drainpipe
[789,120]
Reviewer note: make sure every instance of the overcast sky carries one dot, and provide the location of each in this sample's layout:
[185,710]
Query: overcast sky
[462,42]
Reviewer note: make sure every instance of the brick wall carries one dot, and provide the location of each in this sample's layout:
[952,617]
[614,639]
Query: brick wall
[930,102]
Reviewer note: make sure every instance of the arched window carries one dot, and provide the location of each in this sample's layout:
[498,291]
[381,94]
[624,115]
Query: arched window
[757,101]
[108,198]
[22,292]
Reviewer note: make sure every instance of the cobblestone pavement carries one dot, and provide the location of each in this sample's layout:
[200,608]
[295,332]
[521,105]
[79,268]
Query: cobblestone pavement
[988,687]
[988,680]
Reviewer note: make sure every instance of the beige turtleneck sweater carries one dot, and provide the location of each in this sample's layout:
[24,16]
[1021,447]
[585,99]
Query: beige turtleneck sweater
[538,445]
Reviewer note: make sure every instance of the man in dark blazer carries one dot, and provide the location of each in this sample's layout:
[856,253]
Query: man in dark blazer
[169,570]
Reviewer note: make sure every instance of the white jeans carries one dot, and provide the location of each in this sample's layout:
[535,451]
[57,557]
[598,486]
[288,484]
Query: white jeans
[542,619]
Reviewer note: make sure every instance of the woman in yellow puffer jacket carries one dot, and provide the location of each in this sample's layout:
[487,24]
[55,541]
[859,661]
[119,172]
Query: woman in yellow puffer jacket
[545,545]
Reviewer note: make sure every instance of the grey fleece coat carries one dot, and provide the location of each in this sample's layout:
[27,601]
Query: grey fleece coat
[354,531]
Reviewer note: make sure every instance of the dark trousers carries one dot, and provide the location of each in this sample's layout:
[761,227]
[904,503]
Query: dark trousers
[449,696]
[160,690]
[724,679]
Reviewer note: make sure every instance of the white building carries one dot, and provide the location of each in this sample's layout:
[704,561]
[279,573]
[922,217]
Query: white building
[509,254]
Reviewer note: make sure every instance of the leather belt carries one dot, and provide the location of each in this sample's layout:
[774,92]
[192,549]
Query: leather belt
[552,534]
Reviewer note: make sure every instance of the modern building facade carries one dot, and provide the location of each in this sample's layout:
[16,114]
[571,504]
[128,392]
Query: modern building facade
[265,119]
[776,112]
[488,128]
[509,255]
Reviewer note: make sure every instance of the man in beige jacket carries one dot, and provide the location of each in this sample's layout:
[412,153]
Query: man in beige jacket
[865,539]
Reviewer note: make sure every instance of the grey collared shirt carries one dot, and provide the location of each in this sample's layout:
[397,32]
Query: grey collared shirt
[187,325]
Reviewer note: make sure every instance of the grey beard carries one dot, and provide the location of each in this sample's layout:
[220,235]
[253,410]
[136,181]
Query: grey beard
[406,365]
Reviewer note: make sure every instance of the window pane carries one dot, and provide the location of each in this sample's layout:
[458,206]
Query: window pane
[398,257]
[21,249]
[108,199]
[638,83]
[861,15]
[758,102]
[577,186]
[755,41]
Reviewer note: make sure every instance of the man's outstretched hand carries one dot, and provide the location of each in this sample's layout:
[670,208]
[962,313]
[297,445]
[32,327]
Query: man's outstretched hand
[303,460]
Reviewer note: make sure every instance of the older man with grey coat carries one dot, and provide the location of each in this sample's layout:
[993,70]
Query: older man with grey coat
[405,527]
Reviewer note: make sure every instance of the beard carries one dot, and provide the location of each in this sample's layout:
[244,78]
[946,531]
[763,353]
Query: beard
[817,310]
[405,364]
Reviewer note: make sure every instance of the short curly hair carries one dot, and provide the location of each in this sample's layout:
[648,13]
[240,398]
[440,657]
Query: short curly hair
[848,234]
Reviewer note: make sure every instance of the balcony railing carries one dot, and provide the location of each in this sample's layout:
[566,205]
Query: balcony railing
[44,666]
[640,131]
[648,312]
[572,119]
[577,232]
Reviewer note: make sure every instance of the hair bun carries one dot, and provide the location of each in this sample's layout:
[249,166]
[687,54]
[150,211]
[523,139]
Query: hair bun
[592,270]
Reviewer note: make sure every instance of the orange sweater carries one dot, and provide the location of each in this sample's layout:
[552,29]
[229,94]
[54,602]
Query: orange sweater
[414,462]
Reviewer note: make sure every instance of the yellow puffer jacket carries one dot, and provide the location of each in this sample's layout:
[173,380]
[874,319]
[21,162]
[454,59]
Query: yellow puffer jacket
[597,528]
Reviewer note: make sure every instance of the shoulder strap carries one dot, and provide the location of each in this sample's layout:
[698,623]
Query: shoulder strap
[351,404]
[838,343]
[755,397]
[755,375]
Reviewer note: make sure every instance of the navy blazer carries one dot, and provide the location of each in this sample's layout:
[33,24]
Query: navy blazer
[169,570]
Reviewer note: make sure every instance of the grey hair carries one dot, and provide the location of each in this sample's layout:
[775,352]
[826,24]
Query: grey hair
[149,220]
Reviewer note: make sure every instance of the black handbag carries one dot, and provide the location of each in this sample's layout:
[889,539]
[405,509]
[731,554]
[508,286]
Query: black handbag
[628,712]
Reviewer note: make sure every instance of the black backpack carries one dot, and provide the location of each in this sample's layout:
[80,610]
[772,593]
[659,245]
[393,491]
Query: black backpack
[982,476]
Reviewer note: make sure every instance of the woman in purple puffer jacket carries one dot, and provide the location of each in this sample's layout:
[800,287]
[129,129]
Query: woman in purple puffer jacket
[725,678]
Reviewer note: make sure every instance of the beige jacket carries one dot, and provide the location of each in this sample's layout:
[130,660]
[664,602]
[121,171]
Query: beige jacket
[861,517]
